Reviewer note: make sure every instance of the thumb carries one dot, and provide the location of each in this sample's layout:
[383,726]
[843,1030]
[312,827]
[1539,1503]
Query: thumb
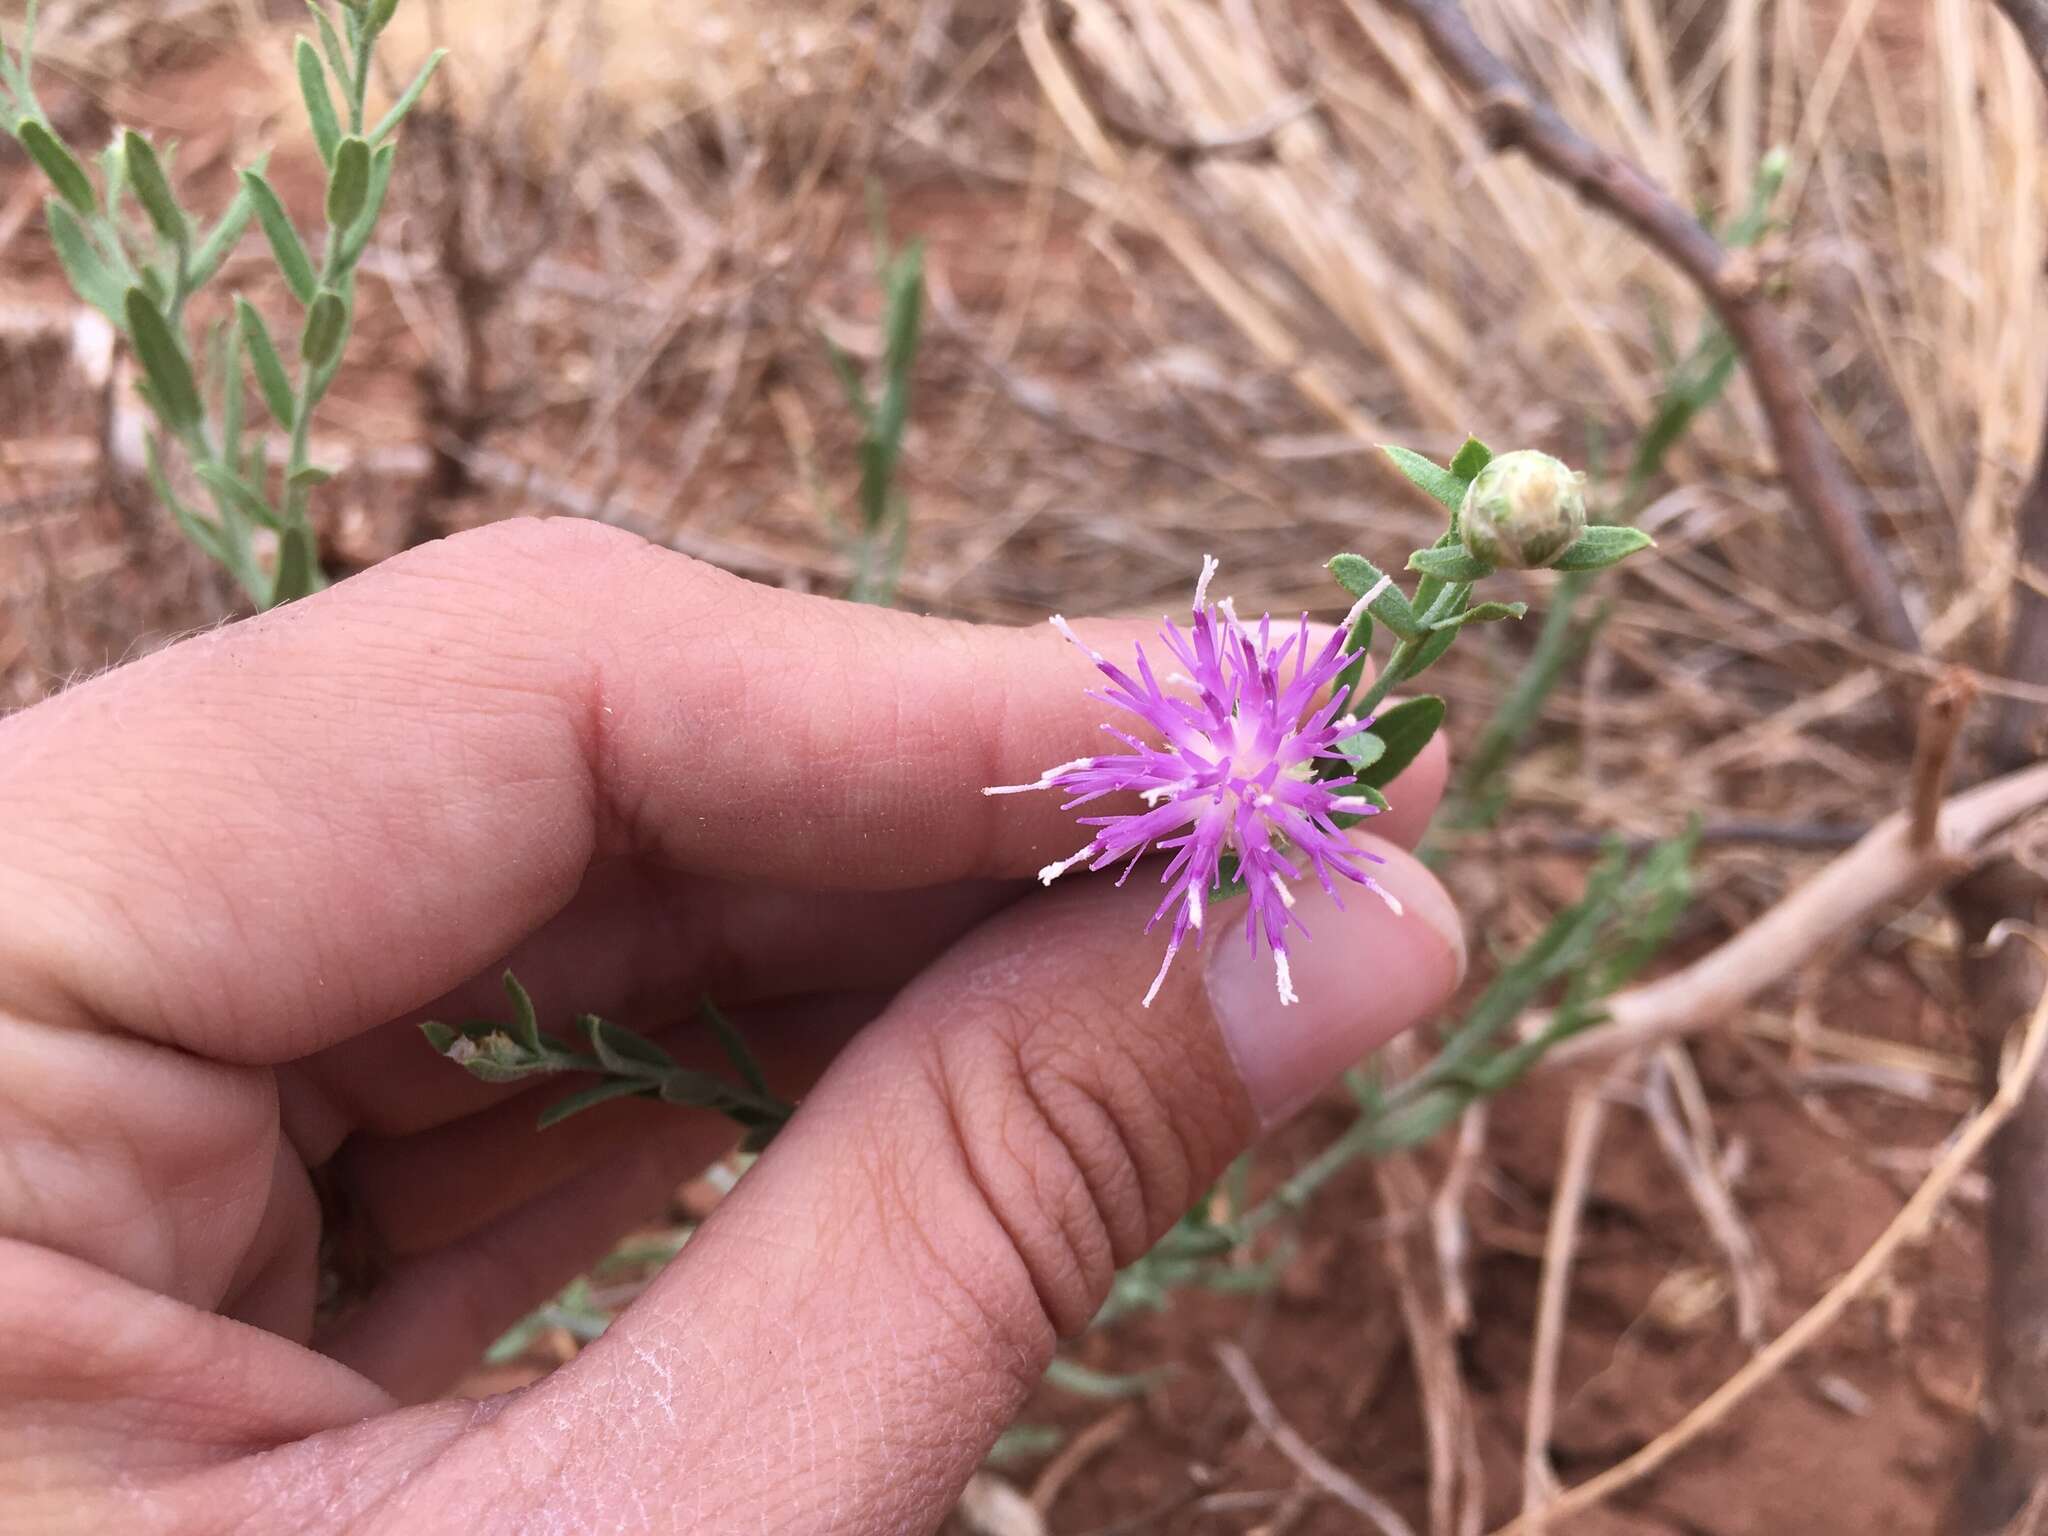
[840,1345]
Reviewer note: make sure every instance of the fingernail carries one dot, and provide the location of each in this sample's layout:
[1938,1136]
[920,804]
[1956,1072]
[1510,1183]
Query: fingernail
[1367,974]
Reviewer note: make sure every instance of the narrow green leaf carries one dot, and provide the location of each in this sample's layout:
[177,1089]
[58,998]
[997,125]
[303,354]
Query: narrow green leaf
[402,108]
[319,104]
[1601,546]
[298,571]
[597,1093]
[348,184]
[285,244]
[1440,638]
[622,1051]
[91,278]
[163,362]
[1431,479]
[1072,1376]
[226,235]
[1359,576]
[373,205]
[271,379]
[326,327]
[1470,459]
[330,43]
[234,488]
[310,476]
[57,163]
[1362,749]
[525,1022]
[114,175]
[1404,730]
[1485,613]
[734,1046]
[1449,565]
[203,532]
[153,189]
[440,1036]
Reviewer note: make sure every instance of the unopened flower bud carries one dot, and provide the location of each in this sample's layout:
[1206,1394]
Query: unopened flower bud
[1523,510]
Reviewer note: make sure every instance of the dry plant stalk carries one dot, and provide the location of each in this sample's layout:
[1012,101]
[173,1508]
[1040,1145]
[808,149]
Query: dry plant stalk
[2023,1064]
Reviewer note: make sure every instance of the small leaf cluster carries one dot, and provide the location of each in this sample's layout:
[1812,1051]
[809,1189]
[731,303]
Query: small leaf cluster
[142,272]
[626,1064]
[882,530]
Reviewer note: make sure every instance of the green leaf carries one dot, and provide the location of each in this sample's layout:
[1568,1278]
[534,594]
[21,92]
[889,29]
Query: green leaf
[285,244]
[1362,750]
[319,104]
[310,476]
[525,1022]
[330,43]
[734,1046]
[624,1052]
[226,235]
[234,488]
[1444,631]
[597,1093]
[1404,731]
[163,363]
[57,163]
[208,535]
[348,184]
[1602,545]
[1072,1376]
[298,572]
[1431,479]
[440,1036]
[1359,576]
[1449,565]
[1470,459]
[91,278]
[1485,613]
[326,328]
[373,205]
[271,378]
[402,108]
[153,188]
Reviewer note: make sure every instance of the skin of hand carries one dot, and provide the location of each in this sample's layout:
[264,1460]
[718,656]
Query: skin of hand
[236,874]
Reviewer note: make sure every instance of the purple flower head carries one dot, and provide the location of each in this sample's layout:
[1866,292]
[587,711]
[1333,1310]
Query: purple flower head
[1243,733]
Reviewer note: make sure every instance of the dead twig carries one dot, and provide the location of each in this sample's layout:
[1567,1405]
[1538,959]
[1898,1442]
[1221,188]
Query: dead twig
[1730,282]
[1692,1153]
[1583,1127]
[1942,716]
[1307,1460]
[1912,1221]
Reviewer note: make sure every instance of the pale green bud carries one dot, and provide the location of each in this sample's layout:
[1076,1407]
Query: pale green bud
[1523,510]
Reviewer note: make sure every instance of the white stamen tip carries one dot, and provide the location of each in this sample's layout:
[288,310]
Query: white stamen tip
[1285,977]
[1160,980]
[1209,565]
[1052,872]
[1393,902]
[1286,893]
[1058,622]
[1372,596]
[1195,907]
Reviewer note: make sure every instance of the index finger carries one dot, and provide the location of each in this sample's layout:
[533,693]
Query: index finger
[272,836]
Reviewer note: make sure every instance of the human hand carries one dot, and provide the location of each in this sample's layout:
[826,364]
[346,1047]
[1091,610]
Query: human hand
[234,875]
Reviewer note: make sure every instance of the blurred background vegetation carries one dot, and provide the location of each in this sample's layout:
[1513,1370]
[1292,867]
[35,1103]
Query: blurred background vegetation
[1181,265]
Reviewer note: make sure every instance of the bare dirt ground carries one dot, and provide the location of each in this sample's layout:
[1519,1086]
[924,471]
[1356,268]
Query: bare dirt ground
[1081,438]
